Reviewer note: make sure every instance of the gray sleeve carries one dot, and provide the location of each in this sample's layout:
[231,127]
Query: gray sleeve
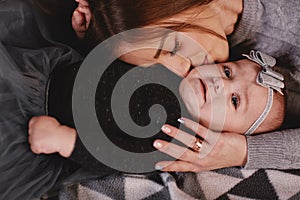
[280,149]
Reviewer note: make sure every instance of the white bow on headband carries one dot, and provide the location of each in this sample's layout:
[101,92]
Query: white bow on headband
[267,77]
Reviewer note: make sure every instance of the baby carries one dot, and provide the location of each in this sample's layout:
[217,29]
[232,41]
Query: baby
[232,93]
[242,97]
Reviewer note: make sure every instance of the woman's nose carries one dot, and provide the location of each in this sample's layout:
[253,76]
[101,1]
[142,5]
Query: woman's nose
[177,64]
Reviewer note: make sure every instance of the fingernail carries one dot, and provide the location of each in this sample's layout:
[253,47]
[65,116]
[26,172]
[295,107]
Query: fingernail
[181,121]
[158,144]
[158,167]
[166,129]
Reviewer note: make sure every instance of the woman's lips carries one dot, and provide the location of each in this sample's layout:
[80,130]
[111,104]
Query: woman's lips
[205,61]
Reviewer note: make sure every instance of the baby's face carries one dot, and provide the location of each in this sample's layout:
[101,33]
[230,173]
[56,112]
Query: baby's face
[224,96]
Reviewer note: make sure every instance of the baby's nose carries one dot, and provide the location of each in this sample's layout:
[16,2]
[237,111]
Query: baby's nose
[218,85]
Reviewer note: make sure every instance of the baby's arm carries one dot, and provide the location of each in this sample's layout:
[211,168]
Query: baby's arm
[47,135]
[81,18]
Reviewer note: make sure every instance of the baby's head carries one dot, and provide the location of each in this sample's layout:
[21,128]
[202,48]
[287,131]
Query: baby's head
[235,96]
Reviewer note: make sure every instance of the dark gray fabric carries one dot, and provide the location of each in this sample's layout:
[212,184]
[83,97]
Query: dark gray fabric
[27,56]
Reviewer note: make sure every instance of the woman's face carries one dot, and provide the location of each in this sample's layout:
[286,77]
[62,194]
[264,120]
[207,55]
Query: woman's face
[224,96]
[181,50]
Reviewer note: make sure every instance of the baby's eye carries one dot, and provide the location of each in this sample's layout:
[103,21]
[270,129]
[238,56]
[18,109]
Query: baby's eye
[235,100]
[227,72]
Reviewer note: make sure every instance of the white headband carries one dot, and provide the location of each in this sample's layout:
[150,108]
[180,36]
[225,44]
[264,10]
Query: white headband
[266,78]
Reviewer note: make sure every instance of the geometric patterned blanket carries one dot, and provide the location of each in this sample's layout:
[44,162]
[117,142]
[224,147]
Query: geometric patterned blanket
[228,183]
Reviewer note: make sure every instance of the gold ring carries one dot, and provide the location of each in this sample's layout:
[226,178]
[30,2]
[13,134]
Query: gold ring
[197,144]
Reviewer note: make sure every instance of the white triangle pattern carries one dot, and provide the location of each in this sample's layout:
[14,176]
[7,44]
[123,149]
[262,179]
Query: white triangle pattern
[285,184]
[214,185]
[235,197]
[247,172]
[85,193]
[136,184]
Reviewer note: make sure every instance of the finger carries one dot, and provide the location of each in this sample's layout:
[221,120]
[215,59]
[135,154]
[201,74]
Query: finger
[34,149]
[83,2]
[195,127]
[179,135]
[85,10]
[78,24]
[29,139]
[29,131]
[32,121]
[29,128]
[78,18]
[87,15]
[176,151]
[177,166]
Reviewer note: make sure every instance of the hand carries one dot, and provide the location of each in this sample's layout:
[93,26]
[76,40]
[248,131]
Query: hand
[47,136]
[218,150]
[81,18]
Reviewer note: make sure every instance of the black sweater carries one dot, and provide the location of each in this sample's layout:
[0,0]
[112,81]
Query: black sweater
[60,107]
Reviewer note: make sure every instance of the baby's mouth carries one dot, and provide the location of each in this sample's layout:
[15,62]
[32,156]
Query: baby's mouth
[203,88]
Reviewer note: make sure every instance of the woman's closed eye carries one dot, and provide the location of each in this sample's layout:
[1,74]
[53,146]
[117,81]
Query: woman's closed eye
[176,47]
[235,100]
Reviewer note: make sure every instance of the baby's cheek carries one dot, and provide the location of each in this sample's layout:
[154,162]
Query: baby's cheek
[206,118]
[236,124]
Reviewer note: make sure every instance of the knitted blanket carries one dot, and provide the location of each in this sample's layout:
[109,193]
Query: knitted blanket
[230,183]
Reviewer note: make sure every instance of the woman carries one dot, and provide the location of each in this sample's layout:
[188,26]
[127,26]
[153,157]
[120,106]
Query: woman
[269,26]
[230,86]
[48,136]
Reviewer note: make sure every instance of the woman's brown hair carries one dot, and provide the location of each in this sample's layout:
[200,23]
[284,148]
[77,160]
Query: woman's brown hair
[111,17]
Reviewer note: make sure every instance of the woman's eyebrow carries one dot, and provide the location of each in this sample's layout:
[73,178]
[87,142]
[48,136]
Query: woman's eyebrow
[161,45]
